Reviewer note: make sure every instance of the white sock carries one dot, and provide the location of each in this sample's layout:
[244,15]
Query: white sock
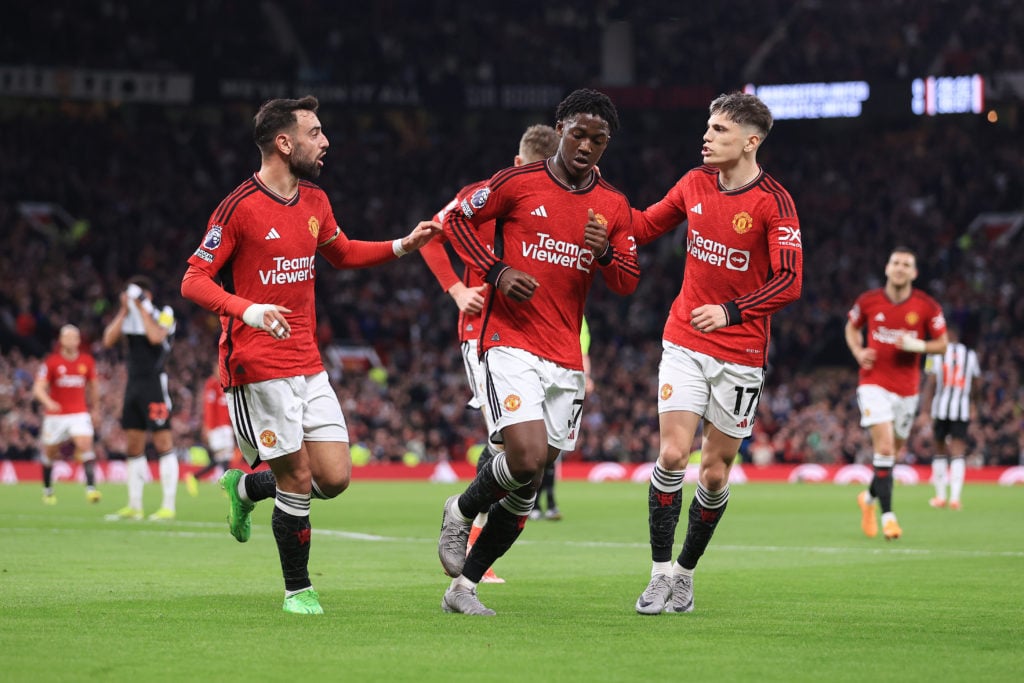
[886,516]
[939,476]
[461,581]
[664,568]
[136,481]
[481,519]
[680,570]
[169,478]
[957,473]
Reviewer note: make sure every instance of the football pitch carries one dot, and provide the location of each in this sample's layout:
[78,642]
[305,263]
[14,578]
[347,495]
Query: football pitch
[789,590]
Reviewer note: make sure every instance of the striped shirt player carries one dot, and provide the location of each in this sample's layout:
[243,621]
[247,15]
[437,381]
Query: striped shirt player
[954,373]
[950,381]
[148,330]
[744,262]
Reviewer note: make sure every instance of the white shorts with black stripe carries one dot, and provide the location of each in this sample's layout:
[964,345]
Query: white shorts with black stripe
[477,381]
[273,418]
[522,387]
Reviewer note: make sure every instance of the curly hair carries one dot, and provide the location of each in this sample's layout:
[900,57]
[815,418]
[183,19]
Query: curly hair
[586,101]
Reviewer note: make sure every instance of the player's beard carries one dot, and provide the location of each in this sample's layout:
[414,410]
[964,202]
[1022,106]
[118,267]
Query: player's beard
[306,170]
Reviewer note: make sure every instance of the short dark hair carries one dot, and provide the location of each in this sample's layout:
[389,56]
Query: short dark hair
[587,101]
[277,115]
[142,281]
[745,109]
[900,249]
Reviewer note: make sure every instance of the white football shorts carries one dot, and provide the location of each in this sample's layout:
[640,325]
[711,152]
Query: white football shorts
[522,387]
[221,439]
[57,429]
[878,405]
[476,377]
[273,418]
[724,394]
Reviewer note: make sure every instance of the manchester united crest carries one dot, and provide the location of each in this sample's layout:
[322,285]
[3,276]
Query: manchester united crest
[601,220]
[742,222]
[665,392]
[913,318]
[512,403]
[314,226]
[268,438]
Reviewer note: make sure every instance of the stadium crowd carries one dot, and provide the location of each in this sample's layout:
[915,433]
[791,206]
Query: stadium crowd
[92,193]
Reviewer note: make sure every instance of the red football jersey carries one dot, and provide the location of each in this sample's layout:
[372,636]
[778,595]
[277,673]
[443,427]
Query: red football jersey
[538,229]
[215,405]
[436,257]
[743,251]
[919,316]
[66,380]
[263,248]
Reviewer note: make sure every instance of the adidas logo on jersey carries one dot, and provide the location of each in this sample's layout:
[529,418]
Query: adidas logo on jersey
[540,211]
[879,317]
[273,235]
[697,209]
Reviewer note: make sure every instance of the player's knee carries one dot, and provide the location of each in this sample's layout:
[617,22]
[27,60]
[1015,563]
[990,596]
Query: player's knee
[673,458]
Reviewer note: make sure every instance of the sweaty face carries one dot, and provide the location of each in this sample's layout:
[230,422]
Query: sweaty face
[309,145]
[583,139]
[724,141]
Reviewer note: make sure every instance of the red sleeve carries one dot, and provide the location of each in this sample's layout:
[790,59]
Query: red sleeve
[622,272]
[657,219]
[436,257]
[341,252]
[199,287]
[476,206]
[785,250]
[209,408]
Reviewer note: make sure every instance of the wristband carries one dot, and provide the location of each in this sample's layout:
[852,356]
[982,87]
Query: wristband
[396,246]
[912,344]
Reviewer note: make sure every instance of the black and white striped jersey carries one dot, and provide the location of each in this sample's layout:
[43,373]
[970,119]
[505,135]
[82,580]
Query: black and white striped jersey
[954,373]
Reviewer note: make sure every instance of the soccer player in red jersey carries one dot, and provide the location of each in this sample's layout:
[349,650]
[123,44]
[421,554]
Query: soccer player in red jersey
[470,294]
[217,432]
[557,223]
[66,387]
[744,262]
[261,243]
[900,324]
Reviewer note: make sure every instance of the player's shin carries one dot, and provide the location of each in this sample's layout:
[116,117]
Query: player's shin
[505,522]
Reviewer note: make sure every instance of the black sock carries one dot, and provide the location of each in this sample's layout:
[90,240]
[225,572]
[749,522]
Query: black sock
[881,487]
[492,483]
[292,533]
[47,476]
[547,484]
[664,504]
[90,472]
[706,510]
[501,531]
[260,485]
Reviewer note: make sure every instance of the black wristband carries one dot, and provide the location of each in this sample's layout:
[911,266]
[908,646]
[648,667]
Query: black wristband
[494,273]
[606,258]
[732,313]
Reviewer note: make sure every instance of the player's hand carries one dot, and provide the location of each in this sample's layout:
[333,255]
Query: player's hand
[53,406]
[595,234]
[270,318]
[468,299]
[420,235]
[517,285]
[866,358]
[708,318]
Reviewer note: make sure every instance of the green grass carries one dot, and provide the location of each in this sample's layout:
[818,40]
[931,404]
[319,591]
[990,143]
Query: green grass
[789,591]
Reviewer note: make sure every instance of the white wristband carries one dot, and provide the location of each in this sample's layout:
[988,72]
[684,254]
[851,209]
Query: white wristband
[396,246]
[912,344]
[253,316]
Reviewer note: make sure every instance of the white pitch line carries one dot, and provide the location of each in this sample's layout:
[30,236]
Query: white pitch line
[173,528]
